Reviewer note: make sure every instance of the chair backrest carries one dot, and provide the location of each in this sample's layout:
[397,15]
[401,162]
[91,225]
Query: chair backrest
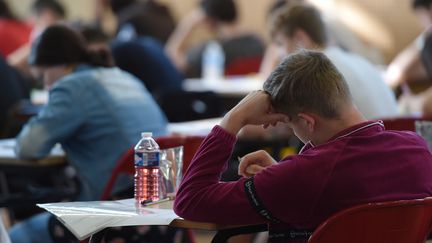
[243,66]
[402,123]
[125,163]
[190,146]
[394,222]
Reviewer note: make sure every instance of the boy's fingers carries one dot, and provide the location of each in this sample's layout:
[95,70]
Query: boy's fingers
[253,169]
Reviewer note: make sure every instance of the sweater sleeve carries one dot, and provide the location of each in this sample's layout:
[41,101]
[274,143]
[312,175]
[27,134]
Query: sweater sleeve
[58,120]
[202,197]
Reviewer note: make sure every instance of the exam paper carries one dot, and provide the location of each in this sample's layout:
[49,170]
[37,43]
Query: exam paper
[86,218]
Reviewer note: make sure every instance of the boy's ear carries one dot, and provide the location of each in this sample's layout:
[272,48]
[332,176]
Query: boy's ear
[309,121]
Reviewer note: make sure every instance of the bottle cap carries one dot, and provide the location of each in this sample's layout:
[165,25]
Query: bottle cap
[146,134]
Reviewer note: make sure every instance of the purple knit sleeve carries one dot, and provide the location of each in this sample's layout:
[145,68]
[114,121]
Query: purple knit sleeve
[202,197]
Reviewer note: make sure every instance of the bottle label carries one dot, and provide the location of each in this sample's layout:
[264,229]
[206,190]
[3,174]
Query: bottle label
[147,159]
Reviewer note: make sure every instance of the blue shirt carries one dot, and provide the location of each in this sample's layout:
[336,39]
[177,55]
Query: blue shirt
[96,114]
[145,58]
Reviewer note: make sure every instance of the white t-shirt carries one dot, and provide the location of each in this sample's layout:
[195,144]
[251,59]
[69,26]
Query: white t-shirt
[370,94]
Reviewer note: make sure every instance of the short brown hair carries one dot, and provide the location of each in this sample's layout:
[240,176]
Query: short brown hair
[299,16]
[307,81]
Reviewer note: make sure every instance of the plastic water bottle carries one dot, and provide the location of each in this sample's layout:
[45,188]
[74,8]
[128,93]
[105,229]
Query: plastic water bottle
[213,62]
[147,156]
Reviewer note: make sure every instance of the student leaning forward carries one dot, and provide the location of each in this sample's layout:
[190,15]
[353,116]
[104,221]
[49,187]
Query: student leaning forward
[346,159]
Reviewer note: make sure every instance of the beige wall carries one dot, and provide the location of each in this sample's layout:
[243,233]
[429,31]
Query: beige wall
[76,9]
[388,25]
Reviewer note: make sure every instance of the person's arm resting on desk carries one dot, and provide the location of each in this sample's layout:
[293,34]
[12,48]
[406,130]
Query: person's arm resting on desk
[60,118]
[201,195]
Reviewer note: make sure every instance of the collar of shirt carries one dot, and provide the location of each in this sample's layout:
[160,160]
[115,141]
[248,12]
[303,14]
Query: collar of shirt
[347,132]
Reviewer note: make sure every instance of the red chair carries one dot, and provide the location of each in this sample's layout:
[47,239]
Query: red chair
[405,221]
[243,66]
[190,146]
[402,123]
[125,163]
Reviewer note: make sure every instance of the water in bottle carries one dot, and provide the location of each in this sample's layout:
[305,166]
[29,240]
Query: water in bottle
[147,156]
[213,62]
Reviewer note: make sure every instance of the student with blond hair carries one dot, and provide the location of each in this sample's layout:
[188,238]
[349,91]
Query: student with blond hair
[346,159]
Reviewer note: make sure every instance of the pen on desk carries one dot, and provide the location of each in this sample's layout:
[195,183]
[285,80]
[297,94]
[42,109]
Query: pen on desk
[150,202]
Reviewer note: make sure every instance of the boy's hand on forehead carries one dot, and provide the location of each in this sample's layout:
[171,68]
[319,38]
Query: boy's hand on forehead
[254,109]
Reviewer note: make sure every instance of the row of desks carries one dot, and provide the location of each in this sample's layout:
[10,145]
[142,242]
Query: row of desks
[8,161]
[7,155]
[233,88]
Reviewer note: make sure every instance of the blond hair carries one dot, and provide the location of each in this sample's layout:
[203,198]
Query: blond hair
[307,81]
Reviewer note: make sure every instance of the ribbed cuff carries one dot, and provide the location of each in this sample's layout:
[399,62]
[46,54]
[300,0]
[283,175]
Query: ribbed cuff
[219,132]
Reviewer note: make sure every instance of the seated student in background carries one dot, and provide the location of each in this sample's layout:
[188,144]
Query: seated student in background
[426,58]
[97,41]
[46,13]
[407,66]
[338,34]
[145,58]
[13,88]
[344,162]
[301,26]
[414,64]
[220,17]
[95,112]
[43,14]
[149,18]
[13,32]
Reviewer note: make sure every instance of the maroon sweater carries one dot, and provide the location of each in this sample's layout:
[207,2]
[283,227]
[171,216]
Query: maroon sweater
[362,164]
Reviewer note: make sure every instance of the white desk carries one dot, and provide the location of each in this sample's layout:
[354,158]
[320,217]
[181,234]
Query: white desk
[8,157]
[232,87]
[86,218]
[198,127]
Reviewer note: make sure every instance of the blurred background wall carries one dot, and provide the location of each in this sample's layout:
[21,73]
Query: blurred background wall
[387,25]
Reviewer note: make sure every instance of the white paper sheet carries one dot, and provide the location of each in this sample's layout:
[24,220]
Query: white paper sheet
[7,147]
[86,218]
